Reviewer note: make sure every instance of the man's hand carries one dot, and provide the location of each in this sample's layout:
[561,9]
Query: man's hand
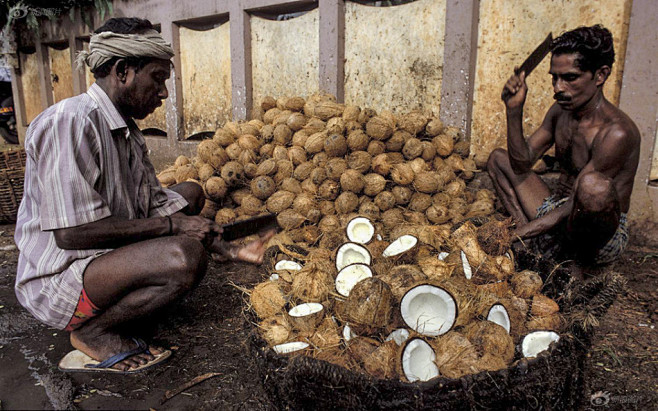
[196,227]
[515,91]
[253,252]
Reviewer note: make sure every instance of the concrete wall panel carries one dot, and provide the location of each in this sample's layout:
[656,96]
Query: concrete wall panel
[31,87]
[508,32]
[394,55]
[61,74]
[285,56]
[206,78]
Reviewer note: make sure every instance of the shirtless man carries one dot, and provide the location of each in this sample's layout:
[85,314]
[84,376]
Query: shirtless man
[101,242]
[596,145]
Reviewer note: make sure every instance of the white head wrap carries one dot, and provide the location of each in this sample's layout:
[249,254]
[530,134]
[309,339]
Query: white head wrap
[106,45]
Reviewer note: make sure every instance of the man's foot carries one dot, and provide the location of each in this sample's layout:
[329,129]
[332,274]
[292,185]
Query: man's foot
[105,345]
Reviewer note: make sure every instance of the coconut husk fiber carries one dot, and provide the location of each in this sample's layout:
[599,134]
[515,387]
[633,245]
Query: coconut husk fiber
[553,380]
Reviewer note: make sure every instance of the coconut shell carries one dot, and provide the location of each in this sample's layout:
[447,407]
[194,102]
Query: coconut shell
[284,169]
[183,173]
[233,128]
[290,219]
[327,335]
[412,148]
[381,164]
[281,118]
[370,303]
[266,150]
[225,216]
[328,190]
[223,138]
[262,187]
[325,110]
[376,147]
[466,239]
[373,184]
[335,168]
[297,155]
[385,200]
[267,300]
[320,159]
[346,202]
[280,201]
[382,363]
[553,322]
[313,282]
[315,142]
[543,306]
[402,174]
[413,122]
[303,171]
[352,181]
[357,140]
[291,184]
[275,330]
[204,151]
[306,324]
[402,195]
[435,269]
[489,337]
[456,356]
[401,278]
[426,182]
[294,104]
[526,283]
[379,128]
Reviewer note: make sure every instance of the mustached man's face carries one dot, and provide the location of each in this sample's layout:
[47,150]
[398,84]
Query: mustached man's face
[573,87]
[145,89]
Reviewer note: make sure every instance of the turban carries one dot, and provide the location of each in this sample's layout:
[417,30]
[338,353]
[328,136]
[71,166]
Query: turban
[107,45]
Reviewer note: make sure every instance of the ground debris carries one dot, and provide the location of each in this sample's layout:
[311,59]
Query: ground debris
[196,380]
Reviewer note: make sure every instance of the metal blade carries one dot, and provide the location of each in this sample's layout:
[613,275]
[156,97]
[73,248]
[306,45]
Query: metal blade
[536,56]
[249,226]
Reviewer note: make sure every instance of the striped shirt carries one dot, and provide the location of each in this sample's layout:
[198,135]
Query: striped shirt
[85,162]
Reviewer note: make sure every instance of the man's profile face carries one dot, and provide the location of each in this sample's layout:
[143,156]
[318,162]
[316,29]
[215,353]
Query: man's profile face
[573,87]
[145,88]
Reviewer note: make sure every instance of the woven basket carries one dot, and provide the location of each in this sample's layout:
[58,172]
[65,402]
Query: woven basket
[554,380]
[12,176]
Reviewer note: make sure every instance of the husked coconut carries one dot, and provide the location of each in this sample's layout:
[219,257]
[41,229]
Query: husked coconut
[437,214]
[297,155]
[349,276]
[223,138]
[402,174]
[480,208]
[352,180]
[335,168]
[537,342]
[543,306]
[418,361]
[489,362]
[327,335]
[444,145]
[376,147]
[225,216]
[304,203]
[275,330]
[328,109]
[526,283]
[185,172]
[385,200]
[434,127]
[429,151]
[268,103]
[426,182]
[402,194]
[318,175]
[167,177]
[252,205]
[279,201]
[291,184]
[428,310]
[303,171]
[413,122]
[248,128]
[392,218]
[336,125]
[402,277]
[308,186]
[351,112]
[335,145]
[329,223]
[320,159]
[313,282]
[412,148]
[455,355]
[381,164]
[267,300]
[379,128]
[204,151]
[327,207]
[373,184]
[490,338]
[216,188]
[397,140]
[369,210]
[357,140]
[359,161]
[294,104]
[382,363]
[552,322]
[346,202]
[315,142]
[420,202]
[233,173]
[290,219]
[369,304]
[360,230]
[263,187]
[314,125]
[329,190]
[351,253]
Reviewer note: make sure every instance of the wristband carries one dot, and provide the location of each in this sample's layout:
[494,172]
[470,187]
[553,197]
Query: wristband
[171,226]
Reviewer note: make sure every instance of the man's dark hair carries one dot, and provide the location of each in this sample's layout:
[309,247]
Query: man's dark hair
[123,25]
[593,44]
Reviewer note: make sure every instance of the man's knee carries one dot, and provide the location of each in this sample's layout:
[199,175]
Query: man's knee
[497,159]
[596,192]
[187,263]
[193,193]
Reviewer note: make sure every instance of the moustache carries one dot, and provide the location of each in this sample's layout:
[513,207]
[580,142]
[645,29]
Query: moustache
[560,97]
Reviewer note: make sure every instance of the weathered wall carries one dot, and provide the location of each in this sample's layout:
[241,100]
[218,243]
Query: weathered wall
[508,32]
[60,73]
[285,56]
[206,78]
[394,55]
[31,87]
[653,176]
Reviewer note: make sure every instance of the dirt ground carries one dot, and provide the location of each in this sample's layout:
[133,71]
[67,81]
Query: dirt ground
[208,334]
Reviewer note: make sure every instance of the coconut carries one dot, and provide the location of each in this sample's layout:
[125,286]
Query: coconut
[291,184]
[223,138]
[365,115]
[290,219]
[204,150]
[426,182]
[215,188]
[320,159]
[357,140]
[335,168]
[490,338]
[489,362]
[428,309]
[498,314]
[401,194]
[233,128]
[352,181]
[351,112]
[314,125]
[225,216]
[329,190]
[381,164]
[369,303]
[281,118]
[369,210]
[382,362]
[526,283]
[466,239]
[263,187]
[494,236]
[185,172]
[279,201]
[537,342]
[318,175]
[346,202]
[376,147]
[247,157]
[543,306]
[233,151]
[349,276]
[294,104]
[249,142]
[299,138]
[303,203]
[329,223]
[250,170]
[469,168]
[397,140]
[437,214]
[373,184]
[399,336]
[420,202]
[249,128]
[413,122]
[252,205]
[267,167]
[328,109]
[360,230]
[402,174]
[335,145]
[455,188]
[306,317]
[291,348]
[315,142]
[336,125]
[445,176]
[360,348]
[480,208]
[233,173]
[379,128]
[275,330]
[418,361]
[385,200]
[267,300]
[268,103]
[167,177]
[327,207]
[295,121]
[455,355]
[266,150]
[313,282]
[429,151]
[392,218]
[327,335]
[209,209]
[351,253]
[401,278]
[297,155]
[553,322]
[412,148]
[303,171]
[444,145]
[434,127]
[359,161]
[308,186]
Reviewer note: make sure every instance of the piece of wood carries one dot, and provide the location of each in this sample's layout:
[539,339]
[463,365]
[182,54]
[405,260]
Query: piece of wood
[196,380]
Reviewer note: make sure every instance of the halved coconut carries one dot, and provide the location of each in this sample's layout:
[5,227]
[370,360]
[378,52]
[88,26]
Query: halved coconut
[306,317]
[418,361]
[536,342]
[369,305]
[462,266]
[400,246]
[360,230]
[290,347]
[349,276]
[498,314]
[429,310]
[399,336]
[287,265]
[351,253]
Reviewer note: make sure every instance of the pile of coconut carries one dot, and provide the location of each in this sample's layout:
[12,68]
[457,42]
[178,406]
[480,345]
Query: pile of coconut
[389,286]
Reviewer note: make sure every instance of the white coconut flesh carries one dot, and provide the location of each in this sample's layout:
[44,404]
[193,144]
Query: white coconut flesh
[429,310]
[498,314]
[302,310]
[418,361]
[360,230]
[274,277]
[287,348]
[468,272]
[288,265]
[348,334]
[443,255]
[400,245]
[351,253]
[349,276]
[537,341]
[399,336]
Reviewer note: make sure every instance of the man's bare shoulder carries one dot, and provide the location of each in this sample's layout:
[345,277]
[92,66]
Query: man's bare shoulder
[620,129]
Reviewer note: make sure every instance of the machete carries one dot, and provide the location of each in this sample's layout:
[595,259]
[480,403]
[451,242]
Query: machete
[533,60]
[249,226]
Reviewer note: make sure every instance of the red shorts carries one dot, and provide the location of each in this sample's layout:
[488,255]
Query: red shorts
[84,311]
